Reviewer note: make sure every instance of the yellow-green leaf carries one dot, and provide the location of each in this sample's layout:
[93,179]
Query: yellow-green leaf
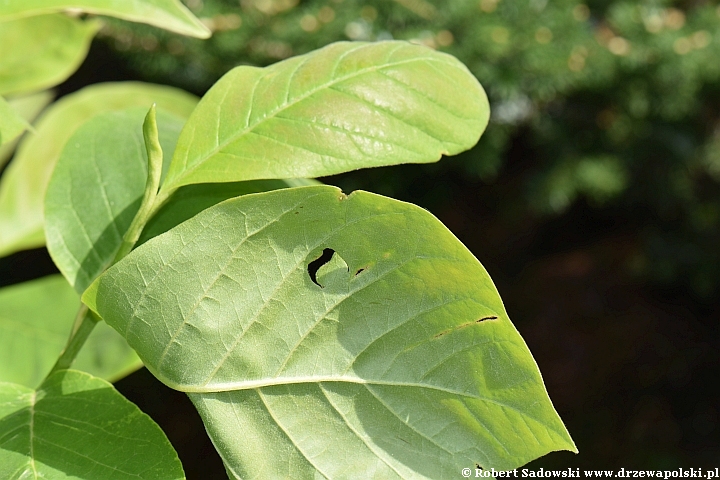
[42,51]
[340,108]
[168,14]
[23,185]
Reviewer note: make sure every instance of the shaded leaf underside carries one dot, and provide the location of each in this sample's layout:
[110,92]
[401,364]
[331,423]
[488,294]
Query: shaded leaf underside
[407,328]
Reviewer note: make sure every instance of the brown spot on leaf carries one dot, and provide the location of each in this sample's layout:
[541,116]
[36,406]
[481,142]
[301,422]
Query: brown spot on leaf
[463,325]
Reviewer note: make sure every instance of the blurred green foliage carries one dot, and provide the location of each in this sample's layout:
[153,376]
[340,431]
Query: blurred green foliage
[617,99]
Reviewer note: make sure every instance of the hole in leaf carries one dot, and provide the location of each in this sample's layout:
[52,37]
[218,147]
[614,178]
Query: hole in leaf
[315,265]
[359,272]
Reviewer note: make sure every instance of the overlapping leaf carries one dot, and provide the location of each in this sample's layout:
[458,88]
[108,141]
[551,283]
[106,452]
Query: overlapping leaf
[11,124]
[77,426]
[397,349]
[27,107]
[42,51]
[23,185]
[96,190]
[35,320]
[340,108]
[168,14]
[190,200]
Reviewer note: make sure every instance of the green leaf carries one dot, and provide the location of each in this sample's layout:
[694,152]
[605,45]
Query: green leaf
[35,320]
[76,426]
[32,61]
[397,357]
[190,200]
[168,14]
[96,190]
[27,107]
[23,185]
[340,108]
[11,124]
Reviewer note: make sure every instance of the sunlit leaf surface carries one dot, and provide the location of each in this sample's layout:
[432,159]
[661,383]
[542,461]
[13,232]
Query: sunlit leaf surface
[28,107]
[340,108]
[168,14]
[42,51]
[11,124]
[23,185]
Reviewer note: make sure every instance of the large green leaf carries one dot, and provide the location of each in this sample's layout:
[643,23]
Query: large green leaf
[190,200]
[395,356]
[11,124]
[76,426]
[168,14]
[27,107]
[340,108]
[35,321]
[40,52]
[96,190]
[22,187]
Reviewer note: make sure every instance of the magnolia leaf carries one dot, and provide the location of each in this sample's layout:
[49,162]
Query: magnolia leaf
[31,61]
[396,357]
[23,185]
[27,107]
[11,124]
[76,426]
[36,318]
[190,200]
[168,14]
[340,108]
[96,190]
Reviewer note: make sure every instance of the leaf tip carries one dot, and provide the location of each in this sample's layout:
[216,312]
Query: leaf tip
[89,297]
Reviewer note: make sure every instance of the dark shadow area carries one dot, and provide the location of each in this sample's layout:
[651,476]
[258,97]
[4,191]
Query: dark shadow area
[177,417]
[25,266]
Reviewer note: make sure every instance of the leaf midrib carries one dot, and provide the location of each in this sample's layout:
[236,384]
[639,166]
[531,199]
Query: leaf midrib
[277,381]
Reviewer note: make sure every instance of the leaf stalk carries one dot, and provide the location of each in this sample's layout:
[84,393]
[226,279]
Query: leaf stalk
[86,319]
[84,324]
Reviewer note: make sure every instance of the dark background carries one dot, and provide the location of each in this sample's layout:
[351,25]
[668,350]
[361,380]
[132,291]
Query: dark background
[593,200]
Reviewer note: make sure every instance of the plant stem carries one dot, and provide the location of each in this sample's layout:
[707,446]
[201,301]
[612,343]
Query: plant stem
[84,324]
[86,320]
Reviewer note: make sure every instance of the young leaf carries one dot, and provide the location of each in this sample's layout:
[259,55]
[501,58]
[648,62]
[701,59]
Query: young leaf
[31,62]
[27,107]
[23,185]
[96,190]
[78,426]
[33,332]
[168,14]
[340,108]
[399,353]
[11,124]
